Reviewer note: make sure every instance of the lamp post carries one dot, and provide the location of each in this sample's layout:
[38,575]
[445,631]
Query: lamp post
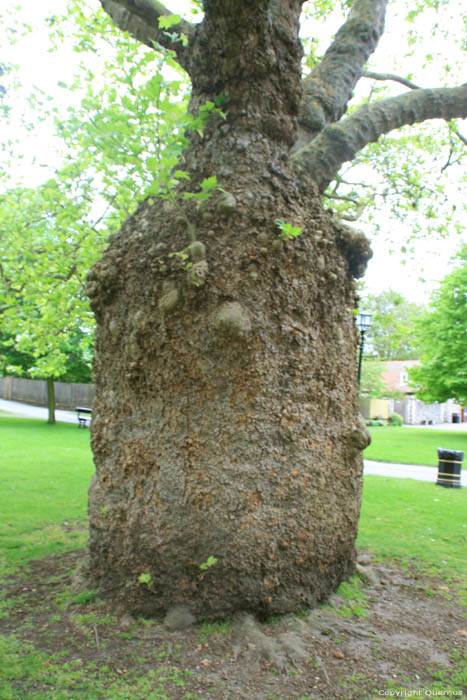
[363,324]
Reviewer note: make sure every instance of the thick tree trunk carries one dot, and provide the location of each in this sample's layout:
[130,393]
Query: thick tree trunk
[226,421]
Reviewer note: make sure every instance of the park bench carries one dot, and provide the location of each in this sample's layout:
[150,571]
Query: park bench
[84,416]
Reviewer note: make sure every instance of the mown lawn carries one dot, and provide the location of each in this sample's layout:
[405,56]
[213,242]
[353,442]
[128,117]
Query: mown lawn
[412,520]
[413,445]
[45,471]
[44,474]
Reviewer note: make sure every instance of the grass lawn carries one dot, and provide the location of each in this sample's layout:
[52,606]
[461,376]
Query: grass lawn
[409,520]
[413,445]
[45,471]
[44,474]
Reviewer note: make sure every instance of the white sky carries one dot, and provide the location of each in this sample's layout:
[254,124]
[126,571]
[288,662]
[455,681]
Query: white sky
[386,271]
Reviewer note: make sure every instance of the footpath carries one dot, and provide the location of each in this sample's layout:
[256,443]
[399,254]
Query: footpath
[27,411]
[398,471]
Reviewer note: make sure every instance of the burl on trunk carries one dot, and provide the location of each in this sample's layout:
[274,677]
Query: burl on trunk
[227,436]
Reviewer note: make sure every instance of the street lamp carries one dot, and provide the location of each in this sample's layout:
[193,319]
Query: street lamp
[363,324]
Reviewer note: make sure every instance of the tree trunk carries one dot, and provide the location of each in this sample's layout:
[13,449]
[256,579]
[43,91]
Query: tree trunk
[51,399]
[226,418]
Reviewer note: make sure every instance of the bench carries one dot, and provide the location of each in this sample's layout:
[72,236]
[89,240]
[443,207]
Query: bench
[84,416]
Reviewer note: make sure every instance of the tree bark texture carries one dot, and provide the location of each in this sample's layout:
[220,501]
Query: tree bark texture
[51,400]
[340,142]
[226,426]
[329,87]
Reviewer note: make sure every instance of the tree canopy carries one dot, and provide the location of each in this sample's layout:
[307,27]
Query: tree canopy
[391,335]
[130,139]
[118,146]
[442,336]
[329,136]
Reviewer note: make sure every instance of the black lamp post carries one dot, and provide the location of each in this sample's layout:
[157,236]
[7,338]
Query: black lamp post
[363,324]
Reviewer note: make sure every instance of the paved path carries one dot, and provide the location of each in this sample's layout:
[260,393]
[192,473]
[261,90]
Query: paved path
[399,471]
[406,471]
[24,409]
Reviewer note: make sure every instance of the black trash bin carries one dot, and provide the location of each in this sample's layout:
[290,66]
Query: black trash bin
[456,418]
[449,468]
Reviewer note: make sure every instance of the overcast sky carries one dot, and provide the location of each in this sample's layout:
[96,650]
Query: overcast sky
[386,271]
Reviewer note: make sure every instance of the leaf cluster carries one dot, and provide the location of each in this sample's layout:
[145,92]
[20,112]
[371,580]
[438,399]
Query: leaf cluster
[122,140]
[392,332]
[442,335]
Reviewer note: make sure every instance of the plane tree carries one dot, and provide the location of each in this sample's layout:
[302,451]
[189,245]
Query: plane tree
[227,435]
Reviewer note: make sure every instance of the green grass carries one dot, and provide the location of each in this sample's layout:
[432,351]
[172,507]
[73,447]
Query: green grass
[413,520]
[356,601]
[44,473]
[413,445]
[43,677]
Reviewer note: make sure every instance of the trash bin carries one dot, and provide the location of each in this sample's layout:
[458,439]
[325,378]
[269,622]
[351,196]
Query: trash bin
[449,468]
[456,418]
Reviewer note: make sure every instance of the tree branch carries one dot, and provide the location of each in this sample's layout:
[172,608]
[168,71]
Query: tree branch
[460,136]
[329,87]
[339,143]
[390,76]
[141,19]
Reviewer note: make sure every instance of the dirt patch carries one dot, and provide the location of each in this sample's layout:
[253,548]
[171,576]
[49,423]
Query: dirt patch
[404,631]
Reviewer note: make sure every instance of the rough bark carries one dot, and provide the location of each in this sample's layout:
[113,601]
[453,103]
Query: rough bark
[226,421]
[340,142]
[329,87]
[140,18]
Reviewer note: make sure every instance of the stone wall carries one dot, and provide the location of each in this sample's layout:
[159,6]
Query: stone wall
[415,412]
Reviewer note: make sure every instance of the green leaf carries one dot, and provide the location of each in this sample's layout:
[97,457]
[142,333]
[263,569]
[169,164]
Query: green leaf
[210,561]
[153,164]
[147,579]
[287,230]
[209,183]
[167,21]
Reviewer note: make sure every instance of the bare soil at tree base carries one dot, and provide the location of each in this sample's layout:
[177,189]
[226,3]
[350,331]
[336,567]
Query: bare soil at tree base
[408,637]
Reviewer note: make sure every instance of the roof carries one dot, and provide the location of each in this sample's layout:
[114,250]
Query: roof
[394,375]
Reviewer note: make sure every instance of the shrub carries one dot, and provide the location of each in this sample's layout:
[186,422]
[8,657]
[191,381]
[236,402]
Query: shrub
[396,419]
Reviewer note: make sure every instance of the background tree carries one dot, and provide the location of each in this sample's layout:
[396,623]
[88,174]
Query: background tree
[77,364]
[371,383]
[50,236]
[391,336]
[442,337]
[226,420]
[46,248]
